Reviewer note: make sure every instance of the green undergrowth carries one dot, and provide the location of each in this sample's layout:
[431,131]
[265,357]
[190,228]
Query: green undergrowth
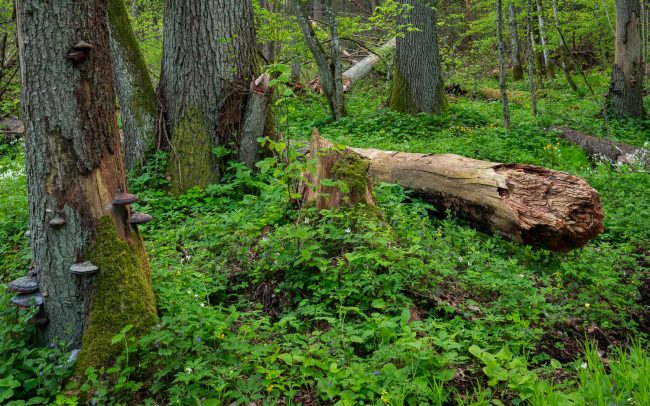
[261,300]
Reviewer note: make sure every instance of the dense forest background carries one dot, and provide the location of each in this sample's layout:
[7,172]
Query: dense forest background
[187,249]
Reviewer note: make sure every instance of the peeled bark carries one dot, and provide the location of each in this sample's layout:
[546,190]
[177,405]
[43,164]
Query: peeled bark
[207,65]
[515,53]
[417,82]
[609,151]
[74,169]
[626,88]
[133,86]
[528,204]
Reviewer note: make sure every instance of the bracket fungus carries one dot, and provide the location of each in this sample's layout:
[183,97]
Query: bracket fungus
[140,218]
[57,221]
[84,268]
[27,300]
[24,284]
[79,51]
[122,199]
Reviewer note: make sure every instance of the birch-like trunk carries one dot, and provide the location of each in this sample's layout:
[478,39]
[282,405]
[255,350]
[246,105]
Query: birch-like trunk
[502,67]
[515,52]
[550,72]
[530,41]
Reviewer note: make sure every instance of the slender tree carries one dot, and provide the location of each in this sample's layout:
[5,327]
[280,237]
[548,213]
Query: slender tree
[502,67]
[75,175]
[531,56]
[417,82]
[626,87]
[329,68]
[515,53]
[133,86]
[550,72]
[563,52]
[207,66]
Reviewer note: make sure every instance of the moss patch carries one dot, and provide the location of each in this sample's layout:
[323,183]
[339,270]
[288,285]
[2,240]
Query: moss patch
[353,170]
[192,162]
[124,295]
[400,99]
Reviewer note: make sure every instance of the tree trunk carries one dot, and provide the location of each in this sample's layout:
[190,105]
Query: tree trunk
[417,82]
[255,118]
[207,65]
[133,86]
[74,171]
[531,57]
[602,149]
[362,69]
[502,67]
[529,204]
[626,87]
[563,52]
[542,37]
[330,73]
[517,69]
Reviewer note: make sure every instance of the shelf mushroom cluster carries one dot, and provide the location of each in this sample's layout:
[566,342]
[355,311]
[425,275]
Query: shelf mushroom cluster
[124,199]
[26,290]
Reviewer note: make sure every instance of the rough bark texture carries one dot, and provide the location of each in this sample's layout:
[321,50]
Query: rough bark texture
[417,83]
[337,165]
[626,88]
[74,168]
[330,72]
[208,63]
[362,69]
[502,68]
[515,52]
[528,204]
[133,86]
[601,149]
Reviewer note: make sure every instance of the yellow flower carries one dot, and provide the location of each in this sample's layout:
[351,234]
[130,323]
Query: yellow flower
[269,388]
[220,336]
[587,306]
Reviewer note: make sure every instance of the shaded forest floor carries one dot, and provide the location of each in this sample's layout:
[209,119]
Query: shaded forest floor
[267,303]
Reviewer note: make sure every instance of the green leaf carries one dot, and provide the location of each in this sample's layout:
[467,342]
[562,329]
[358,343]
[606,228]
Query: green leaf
[287,358]
[378,304]
[476,351]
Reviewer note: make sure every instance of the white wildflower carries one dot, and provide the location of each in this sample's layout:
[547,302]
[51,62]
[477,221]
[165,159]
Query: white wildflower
[347,230]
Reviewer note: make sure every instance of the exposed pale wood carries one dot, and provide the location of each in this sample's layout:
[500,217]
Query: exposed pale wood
[531,205]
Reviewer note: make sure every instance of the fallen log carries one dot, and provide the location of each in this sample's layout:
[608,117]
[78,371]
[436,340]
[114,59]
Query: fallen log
[528,204]
[606,150]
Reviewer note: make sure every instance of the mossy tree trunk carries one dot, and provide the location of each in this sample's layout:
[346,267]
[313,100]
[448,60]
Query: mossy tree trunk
[133,86]
[626,87]
[417,83]
[74,168]
[207,66]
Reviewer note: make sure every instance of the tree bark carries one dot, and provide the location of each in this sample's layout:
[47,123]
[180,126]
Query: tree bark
[417,82]
[550,72]
[502,67]
[602,149]
[517,69]
[626,87]
[74,170]
[531,57]
[255,118]
[133,86]
[330,73]
[528,204]
[207,65]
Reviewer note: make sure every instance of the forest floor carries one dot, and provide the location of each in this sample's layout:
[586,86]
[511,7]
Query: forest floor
[263,302]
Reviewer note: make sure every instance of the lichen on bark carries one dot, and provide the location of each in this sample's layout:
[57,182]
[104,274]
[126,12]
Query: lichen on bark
[124,295]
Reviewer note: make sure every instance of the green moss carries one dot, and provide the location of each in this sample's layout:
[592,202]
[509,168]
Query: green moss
[192,162]
[353,170]
[124,295]
[400,99]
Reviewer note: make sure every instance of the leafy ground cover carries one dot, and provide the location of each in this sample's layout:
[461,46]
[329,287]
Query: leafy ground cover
[264,301]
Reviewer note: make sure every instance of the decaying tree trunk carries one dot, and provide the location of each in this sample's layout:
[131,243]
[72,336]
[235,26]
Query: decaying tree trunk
[133,86]
[75,177]
[626,88]
[341,166]
[363,68]
[601,149]
[529,204]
